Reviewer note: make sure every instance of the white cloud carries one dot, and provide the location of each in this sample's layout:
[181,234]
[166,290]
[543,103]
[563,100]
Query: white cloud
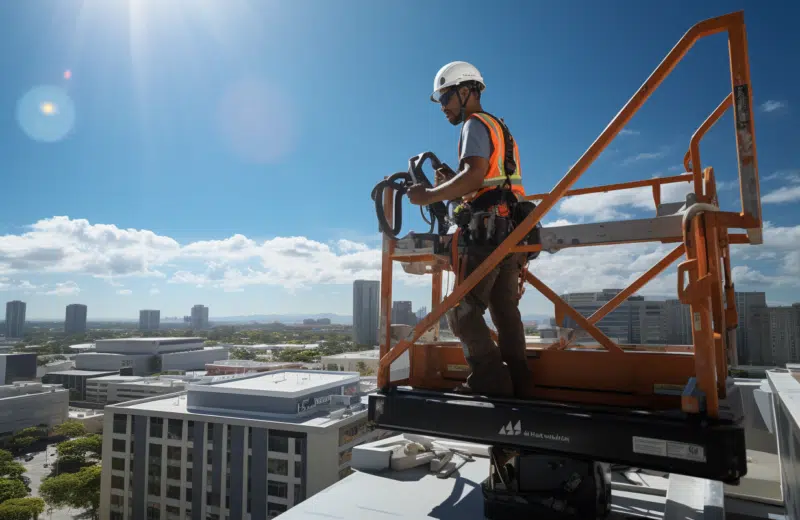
[727,185]
[63,289]
[773,105]
[676,168]
[617,204]
[628,131]
[239,262]
[782,195]
[644,156]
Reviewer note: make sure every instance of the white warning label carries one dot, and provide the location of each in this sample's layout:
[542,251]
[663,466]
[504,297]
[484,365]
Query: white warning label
[682,450]
[650,446]
[671,449]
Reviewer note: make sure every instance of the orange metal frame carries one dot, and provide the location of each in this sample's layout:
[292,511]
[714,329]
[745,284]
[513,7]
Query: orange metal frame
[625,375]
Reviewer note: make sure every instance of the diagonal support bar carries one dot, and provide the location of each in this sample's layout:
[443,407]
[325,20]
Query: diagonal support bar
[575,315]
[640,282]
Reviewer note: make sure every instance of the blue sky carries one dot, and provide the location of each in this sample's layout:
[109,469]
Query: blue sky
[220,155]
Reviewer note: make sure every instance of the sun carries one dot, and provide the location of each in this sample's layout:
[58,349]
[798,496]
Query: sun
[47,108]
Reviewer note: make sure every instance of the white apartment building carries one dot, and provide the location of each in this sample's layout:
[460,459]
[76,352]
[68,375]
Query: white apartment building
[248,447]
[25,404]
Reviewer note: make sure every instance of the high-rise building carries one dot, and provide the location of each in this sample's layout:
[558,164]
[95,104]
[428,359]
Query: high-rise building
[679,323]
[149,319]
[15,319]
[784,328]
[247,447]
[366,308]
[199,317]
[748,346]
[402,314]
[75,320]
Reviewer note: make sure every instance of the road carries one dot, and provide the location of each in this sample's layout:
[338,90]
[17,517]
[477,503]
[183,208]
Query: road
[36,471]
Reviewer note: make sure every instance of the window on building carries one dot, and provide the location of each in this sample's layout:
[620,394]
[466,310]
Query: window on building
[174,492]
[277,489]
[298,446]
[190,431]
[298,494]
[117,482]
[174,472]
[209,456]
[117,463]
[116,515]
[156,427]
[211,428]
[153,511]
[212,499]
[120,423]
[154,487]
[118,445]
[188,474]
[278,443]
[189,495]
[155,450]
[298,468]
[175,429]
[275,509]
[174,453]
[278,467]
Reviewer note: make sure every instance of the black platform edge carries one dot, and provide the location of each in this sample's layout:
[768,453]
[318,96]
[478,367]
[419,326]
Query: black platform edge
[672,443]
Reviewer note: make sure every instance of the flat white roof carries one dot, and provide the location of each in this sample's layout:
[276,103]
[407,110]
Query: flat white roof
[178,404]
[283,383]
[364,354]
[116,377]
[165,339]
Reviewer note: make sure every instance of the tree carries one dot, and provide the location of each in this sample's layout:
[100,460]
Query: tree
[241,353]
[363,369]
[70,429]
[9,468]
[21,508]
[20,443]
[11,488]
[75,451]
[79,490]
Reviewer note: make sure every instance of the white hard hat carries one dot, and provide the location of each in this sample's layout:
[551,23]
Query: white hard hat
[454,73]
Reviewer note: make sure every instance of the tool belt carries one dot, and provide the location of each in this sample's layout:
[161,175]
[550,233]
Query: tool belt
[489,219]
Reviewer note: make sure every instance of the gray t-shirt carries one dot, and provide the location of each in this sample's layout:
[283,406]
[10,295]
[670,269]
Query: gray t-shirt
[475,140]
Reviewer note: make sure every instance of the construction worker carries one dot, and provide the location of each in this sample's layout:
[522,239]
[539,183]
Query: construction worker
[488,179]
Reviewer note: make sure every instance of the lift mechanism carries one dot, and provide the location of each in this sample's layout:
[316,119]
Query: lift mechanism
[661,407]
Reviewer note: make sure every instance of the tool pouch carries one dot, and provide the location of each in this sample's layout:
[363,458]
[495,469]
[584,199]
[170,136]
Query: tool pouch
[519,213]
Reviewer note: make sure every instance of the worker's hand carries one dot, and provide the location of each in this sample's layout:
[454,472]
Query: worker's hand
[444,174]
[419,195]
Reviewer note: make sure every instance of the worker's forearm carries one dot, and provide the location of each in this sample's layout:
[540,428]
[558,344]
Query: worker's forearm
[464,182]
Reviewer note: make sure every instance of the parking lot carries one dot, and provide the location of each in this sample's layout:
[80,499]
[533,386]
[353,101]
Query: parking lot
[36,471]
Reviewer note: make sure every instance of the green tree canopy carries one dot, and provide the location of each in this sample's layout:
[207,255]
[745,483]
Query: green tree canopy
[79,490]
[21,508]
[76,451]
[70,429]
[9,468]
[241,353]
[11,488]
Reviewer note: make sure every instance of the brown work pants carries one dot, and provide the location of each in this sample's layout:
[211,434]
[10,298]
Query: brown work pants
[499,292]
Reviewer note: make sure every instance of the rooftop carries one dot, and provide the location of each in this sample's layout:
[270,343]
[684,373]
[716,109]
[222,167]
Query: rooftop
[82,373]
[251,363]
[164,340]
[117,377]
[284,383]
[364,354]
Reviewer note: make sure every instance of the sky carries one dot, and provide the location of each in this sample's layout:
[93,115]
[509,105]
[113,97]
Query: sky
[164,154]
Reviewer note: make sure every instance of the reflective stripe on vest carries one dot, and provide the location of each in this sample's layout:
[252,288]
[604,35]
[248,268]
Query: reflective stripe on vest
[496,175]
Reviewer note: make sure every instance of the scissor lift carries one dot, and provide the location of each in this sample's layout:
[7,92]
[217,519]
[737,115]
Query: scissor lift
[658,407]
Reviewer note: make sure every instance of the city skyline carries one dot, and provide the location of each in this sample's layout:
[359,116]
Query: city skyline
[220,227]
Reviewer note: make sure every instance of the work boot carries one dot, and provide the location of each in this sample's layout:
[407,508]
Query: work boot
[489,377]
[521,378]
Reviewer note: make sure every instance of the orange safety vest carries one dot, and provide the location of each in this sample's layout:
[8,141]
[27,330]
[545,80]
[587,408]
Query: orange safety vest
[496,174]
